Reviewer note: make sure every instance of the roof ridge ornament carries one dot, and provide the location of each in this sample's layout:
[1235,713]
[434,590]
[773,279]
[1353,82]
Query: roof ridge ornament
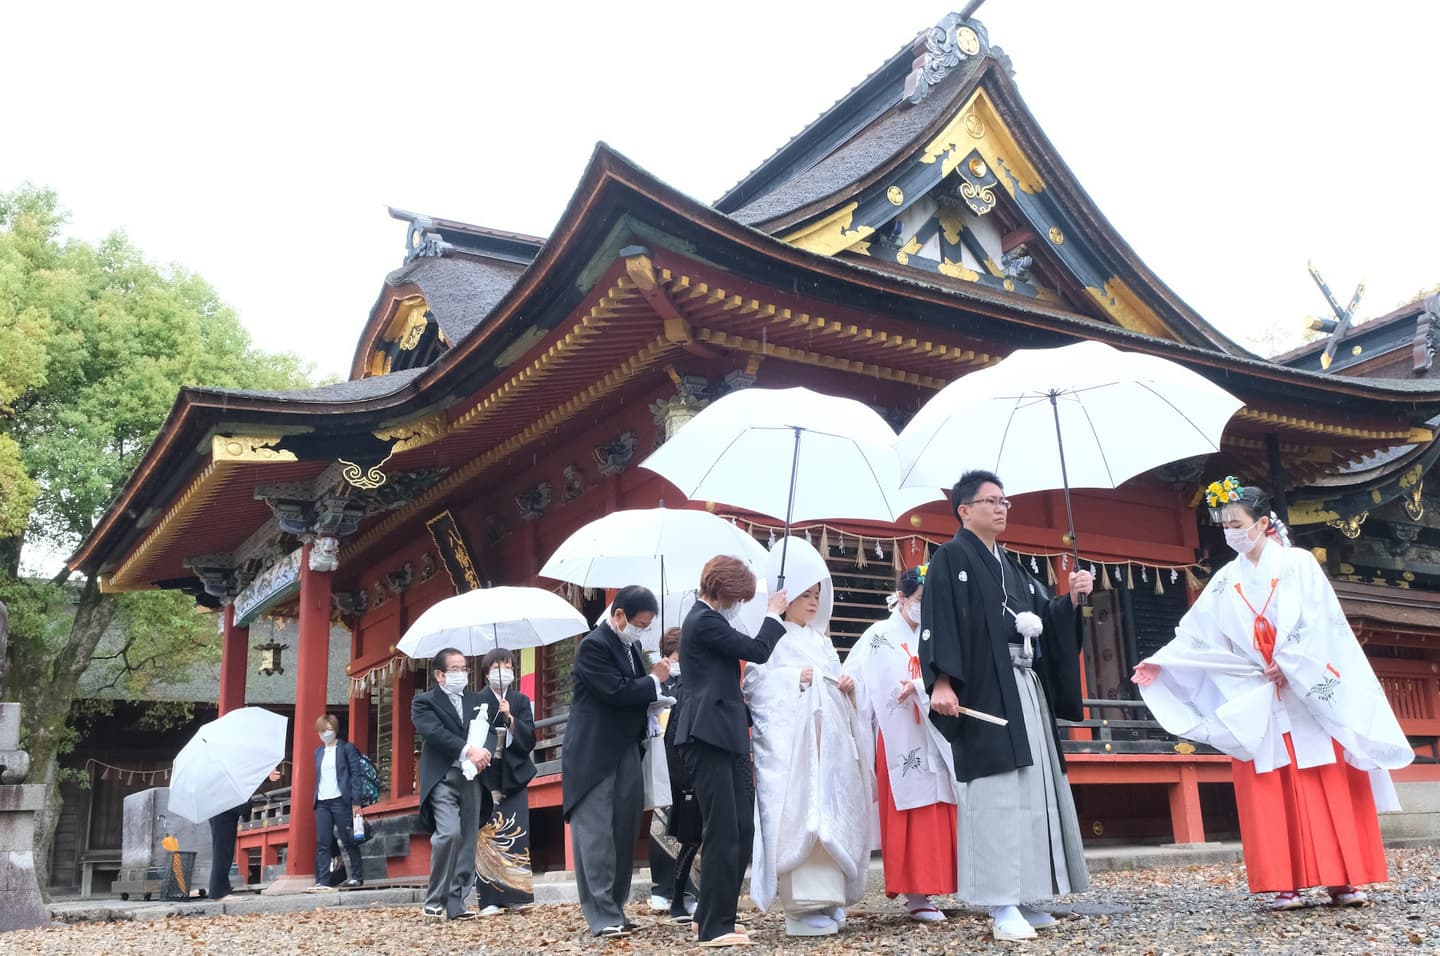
[422,240]
[951,42]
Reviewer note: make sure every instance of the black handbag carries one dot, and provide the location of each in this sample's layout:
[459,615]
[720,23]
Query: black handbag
[685,824]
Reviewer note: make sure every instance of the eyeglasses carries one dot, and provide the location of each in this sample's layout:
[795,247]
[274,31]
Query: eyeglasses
[992,502]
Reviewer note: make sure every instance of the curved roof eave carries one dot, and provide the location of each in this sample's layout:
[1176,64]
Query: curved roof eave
[610,181]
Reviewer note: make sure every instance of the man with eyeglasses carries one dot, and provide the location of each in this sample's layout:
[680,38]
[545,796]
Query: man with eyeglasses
[451,807]
[994,643]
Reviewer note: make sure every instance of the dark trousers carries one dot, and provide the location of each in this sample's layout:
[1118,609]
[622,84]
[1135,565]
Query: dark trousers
[222,849]
[682,884]
[333,817]
[725,786]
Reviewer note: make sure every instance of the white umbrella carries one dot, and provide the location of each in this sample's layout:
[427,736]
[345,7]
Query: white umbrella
[481,620]
[663,549]
[790,453]
[1085,415]
[225,762]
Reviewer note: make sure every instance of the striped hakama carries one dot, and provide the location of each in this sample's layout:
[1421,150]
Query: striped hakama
[1018,834]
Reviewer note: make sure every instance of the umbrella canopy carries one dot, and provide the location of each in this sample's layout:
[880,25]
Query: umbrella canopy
[1118,414]
[1085,415]
[225,762]
[663,549]
[789,453]
[487,618]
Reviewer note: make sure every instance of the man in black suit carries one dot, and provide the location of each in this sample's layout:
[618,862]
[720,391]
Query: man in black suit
[451,807]
[601,783]
[713,736]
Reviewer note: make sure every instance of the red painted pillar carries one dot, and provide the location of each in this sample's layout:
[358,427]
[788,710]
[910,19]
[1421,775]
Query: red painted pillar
[1185,817]
[359,708]
[311,665]
[234,658]
[402,736]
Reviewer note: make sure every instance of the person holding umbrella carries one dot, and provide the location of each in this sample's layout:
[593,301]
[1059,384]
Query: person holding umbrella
[223,827]
[1264,667]
[503,864]
[1000,660]
[451,806]
[712,735]
[602,788]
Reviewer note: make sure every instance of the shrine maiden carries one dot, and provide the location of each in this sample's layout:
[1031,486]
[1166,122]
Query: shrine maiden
[1265,668]
[914,779]
[812,765]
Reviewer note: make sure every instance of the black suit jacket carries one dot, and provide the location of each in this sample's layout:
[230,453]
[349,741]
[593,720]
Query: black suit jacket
[513,770]
[965,635]
[710,655]
[444,735]
[608,707]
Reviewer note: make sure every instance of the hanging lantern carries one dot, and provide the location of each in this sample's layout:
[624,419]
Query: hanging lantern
[270,658]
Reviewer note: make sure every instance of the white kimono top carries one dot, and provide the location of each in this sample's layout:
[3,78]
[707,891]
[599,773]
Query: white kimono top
[918,759]
[1212,687]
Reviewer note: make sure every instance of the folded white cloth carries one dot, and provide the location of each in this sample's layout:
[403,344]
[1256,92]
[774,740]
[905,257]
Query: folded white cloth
[479,730]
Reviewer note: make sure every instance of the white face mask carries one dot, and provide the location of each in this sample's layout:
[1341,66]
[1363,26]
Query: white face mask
[674,668]
[501,677]
[456,680]
[730,613]
[327,736]
[1240,540]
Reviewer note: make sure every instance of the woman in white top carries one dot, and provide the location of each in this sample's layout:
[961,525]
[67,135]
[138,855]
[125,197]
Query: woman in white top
[339,784]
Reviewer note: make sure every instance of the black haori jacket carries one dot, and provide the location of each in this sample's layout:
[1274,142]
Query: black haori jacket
[965,634]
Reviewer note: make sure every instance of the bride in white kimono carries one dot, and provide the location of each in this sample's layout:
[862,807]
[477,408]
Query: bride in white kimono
[814,784]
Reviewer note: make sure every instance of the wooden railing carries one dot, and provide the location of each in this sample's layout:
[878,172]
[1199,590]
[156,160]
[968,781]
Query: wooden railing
[268,809]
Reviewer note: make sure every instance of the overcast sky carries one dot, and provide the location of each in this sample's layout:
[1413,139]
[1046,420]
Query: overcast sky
[259,144]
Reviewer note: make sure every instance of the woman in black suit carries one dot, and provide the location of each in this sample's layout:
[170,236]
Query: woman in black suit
[713,736]
[502,865]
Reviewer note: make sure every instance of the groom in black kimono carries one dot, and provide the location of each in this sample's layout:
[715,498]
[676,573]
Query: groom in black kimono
[974,655]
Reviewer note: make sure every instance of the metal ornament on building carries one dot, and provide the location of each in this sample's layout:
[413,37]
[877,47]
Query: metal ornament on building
[270,658]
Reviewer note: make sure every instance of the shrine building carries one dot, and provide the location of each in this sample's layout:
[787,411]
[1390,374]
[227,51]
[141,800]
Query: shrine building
[505,387]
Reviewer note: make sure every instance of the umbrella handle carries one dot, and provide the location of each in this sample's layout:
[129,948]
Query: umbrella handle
[1080,599]
[789,509]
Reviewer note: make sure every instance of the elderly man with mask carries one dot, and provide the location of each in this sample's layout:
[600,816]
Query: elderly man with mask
[451,807]
[603,790]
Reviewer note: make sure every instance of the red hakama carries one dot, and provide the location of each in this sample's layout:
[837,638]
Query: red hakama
[918,845]
[1311,827]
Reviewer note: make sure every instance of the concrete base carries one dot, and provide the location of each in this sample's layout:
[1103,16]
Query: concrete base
[289,886]
[20,904]
[1419,818]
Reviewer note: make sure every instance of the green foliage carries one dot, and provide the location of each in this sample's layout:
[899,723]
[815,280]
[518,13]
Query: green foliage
[94,343]
[156,635]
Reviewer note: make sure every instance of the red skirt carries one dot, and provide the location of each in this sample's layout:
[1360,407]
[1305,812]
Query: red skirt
[1311,827]
[919,845]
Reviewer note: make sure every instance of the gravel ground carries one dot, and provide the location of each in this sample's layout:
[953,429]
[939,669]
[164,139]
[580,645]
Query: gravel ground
[1193,909]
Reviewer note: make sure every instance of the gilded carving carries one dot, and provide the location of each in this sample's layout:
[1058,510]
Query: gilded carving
[907,250]
[1349,527]
[975,126]
[956,270]
[895,195]
[1414,504]
[249,448]
[414,434]
[366,478]
[1056,236]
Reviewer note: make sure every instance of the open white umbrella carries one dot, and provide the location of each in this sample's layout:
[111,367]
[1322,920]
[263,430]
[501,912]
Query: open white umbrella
[663,549]
[1085,415]
[481,620]
[226,761]
[790,453]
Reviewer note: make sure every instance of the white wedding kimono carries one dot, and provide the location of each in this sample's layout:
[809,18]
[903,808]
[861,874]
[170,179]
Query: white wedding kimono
[919,760]
[814,783]
[1212,687]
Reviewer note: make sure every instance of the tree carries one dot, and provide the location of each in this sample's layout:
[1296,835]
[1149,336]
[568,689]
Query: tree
[94,341]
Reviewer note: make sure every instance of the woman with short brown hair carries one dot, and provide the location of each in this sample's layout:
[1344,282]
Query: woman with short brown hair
[712,734]
[339,786]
